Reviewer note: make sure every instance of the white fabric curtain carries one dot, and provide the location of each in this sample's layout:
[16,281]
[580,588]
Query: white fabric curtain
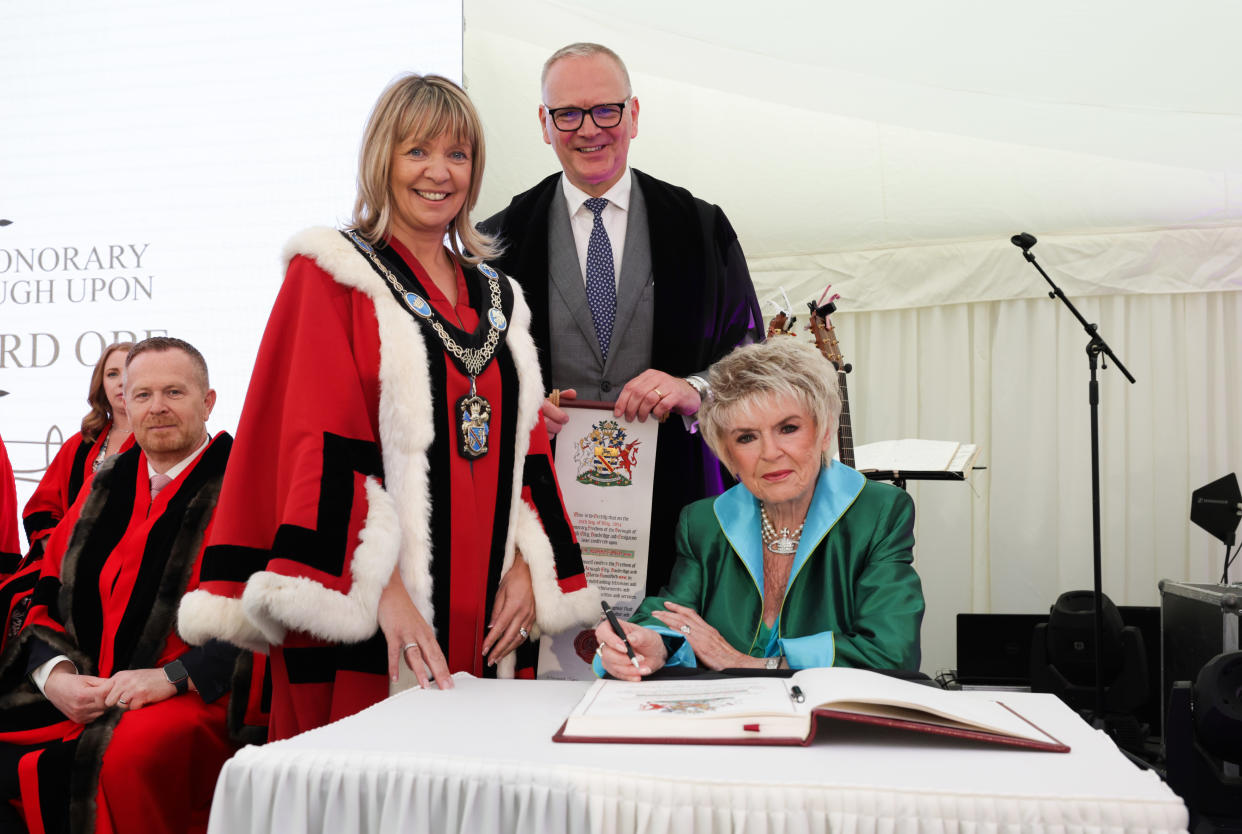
[891,149]
[1012,376]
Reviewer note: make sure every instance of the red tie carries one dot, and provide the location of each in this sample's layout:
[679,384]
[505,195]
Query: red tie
[158,482]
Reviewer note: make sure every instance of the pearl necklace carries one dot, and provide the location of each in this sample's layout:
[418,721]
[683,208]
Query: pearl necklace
[784,543]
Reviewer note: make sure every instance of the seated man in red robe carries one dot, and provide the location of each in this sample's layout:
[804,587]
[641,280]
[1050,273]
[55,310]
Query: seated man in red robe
[108,720]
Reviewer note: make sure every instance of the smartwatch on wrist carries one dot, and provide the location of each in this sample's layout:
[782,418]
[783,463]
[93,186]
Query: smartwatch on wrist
[178,676]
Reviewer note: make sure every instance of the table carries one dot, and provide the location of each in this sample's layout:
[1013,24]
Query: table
[480,758]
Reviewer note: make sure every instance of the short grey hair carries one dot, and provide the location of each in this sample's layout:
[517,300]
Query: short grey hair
[585,50]
[783,366]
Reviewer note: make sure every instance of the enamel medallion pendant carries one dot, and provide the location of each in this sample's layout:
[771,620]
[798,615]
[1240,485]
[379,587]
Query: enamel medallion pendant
[474,418]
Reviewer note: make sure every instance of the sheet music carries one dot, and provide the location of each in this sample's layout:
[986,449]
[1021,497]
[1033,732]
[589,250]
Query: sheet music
[908,454]
[964,459]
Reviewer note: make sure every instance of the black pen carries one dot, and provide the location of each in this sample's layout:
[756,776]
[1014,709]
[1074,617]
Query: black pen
[795,692]
[616,627]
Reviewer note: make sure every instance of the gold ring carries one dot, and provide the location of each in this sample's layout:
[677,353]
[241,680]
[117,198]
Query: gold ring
[659,393]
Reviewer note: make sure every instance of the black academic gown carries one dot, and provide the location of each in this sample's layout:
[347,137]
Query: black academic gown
[704,306]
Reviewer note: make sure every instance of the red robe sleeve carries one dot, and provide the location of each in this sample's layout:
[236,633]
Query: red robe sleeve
[10,544]
[68,475]
[44,597]
[543,522]
[295,497]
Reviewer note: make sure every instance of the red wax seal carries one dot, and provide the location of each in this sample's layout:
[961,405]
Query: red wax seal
[585,644]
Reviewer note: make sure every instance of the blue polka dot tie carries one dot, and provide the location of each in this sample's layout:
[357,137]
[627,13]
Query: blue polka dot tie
[601,285]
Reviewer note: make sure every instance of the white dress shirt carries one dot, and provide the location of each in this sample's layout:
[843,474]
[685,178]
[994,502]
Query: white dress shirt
[615,217]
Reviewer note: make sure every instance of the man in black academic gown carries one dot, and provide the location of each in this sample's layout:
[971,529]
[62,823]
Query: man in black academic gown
[632,298]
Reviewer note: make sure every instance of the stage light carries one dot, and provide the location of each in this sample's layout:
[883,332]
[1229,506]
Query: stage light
[1204,745]
[1063,662]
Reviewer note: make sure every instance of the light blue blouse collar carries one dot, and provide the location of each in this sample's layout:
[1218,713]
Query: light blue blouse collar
[737,512]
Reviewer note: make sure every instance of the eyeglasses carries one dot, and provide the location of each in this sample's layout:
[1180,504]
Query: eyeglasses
[568,119]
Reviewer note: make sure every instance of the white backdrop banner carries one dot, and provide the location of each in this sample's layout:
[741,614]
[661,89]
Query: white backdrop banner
[156,158]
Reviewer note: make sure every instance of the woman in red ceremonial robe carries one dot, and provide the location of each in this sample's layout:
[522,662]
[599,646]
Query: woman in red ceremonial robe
[105,432]
[390,500]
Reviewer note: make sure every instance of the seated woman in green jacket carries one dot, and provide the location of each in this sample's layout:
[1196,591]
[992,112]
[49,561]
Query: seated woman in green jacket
[804,563]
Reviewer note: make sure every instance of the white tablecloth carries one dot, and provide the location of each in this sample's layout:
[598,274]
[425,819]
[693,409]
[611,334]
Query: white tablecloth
[480,758]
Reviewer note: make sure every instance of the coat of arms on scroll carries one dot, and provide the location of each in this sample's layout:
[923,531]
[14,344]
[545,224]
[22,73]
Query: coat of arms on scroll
[604,457]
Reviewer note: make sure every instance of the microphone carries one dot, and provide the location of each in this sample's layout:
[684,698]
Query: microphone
[1023,241]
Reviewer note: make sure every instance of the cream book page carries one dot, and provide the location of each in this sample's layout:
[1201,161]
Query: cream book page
[857,690]
[910,454]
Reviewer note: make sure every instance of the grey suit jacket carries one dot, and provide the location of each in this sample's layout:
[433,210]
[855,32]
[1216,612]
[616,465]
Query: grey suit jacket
[697,307]
[575,360]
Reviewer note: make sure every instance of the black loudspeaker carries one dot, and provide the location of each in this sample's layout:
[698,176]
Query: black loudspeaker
[1203,745]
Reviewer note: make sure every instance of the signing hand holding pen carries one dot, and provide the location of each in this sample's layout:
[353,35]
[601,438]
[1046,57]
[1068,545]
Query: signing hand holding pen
[611,616]
[648,649]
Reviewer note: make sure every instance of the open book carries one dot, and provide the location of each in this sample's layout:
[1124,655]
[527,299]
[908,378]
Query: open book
[787,710]
[917,459]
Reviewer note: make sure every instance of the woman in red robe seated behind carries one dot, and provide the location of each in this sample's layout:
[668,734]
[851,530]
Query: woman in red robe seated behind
[105,432]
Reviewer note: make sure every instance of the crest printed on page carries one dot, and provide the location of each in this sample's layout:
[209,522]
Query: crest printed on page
[603,456]
[688,706]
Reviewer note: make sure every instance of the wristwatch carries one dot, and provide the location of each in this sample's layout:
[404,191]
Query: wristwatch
[700,385]
[178,676]
[772,662]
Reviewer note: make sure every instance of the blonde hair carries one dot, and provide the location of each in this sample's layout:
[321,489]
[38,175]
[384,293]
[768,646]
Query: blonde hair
[101,410]
[423,107]
[781,367]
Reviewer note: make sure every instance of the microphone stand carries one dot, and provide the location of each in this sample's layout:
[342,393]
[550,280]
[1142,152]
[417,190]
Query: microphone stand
[1095,347]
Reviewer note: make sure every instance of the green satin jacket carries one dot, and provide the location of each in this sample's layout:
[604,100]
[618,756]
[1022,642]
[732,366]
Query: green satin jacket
[853,597]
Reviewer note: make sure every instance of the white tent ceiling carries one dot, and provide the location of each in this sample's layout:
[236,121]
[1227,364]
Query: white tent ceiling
[826,128]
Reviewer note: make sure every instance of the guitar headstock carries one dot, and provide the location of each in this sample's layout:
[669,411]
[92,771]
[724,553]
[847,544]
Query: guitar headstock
[824,333]
[781,324]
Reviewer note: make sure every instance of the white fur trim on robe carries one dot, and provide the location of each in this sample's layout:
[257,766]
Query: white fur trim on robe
[554,611]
